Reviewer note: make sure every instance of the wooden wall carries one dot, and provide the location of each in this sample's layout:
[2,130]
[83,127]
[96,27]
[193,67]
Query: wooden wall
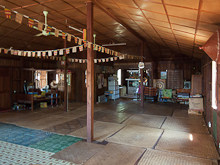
[210,114]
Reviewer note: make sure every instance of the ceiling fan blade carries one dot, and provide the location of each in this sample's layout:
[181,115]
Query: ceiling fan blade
[40,34]
[35,27]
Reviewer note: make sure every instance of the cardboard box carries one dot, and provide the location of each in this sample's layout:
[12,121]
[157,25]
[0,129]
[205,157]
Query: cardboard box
[195,112]
[196,103]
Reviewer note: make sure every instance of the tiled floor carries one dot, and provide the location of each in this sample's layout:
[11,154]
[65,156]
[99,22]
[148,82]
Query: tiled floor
[125,132]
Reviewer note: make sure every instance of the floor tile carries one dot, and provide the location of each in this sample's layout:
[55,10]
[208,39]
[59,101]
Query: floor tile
[200,145]
[137,136]
[55,143]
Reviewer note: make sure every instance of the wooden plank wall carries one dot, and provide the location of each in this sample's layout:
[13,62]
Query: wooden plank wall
[207,87]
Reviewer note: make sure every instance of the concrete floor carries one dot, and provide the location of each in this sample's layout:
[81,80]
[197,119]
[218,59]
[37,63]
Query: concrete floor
[124,133]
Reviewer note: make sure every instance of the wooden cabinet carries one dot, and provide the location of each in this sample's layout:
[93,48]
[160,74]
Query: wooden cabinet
[196,84]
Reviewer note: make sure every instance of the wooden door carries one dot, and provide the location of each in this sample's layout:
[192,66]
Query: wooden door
[5,89]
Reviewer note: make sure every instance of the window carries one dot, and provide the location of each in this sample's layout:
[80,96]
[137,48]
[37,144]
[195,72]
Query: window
[119,76]
[214,77]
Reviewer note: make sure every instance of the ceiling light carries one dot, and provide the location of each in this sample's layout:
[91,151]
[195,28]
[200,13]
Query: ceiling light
[114,44]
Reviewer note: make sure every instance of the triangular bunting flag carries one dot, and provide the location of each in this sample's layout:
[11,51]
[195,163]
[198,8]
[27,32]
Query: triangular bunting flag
[25,54]
[49,28]
[69,59]
[56,32]
[100,60]
[30,22]
[64,35]
[107,59]
[80,48]
[100,48]
[40,26]
[80,41]
[103,60]
[38,53]
[76,60]
[33,54]
[106,50]
[80,60]
[69,37]
[15,52]
[85,44]
[96,47]
[61,52]
[74,49]
[50,53]
[7,13]
[72,59]
[6,51]
[95,60]
[89,44]
[115,58]
[12,52]
[55,52]
[19,53]
[18,18]
[84,61]
[67,51]
[0,50]
[103,49]
[43,53]
[112,58]
[29,54]
[75,38]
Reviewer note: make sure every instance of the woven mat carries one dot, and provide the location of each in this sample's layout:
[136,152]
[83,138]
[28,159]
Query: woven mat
[102,130]
[136,136]
[116,154]
[202,145]
[145,120]
[155,157]
[165,111]
[74,114]
[78,152]
[46,122]
[184,114]
[185,125]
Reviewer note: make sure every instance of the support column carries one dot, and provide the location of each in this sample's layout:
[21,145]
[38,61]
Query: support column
[65,79]
[90,74]
[142,75]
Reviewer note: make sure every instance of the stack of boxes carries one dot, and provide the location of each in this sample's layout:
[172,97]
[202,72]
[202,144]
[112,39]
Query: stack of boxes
[196,106]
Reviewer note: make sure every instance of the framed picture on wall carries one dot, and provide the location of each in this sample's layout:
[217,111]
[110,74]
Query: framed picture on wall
[163,75]
[187,85]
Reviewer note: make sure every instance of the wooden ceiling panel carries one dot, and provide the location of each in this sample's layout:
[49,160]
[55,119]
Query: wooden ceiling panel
[57,5]
[183,28]
[39,9]
[73,13]
[138,18]
[204,33]
[27,12]
[162,29]
[4,30]
[149,6]
[208,27]
[76,4]
[9,5]
[182,12]
[183,34]
[210,18]
[159,23]
[202,39]
[186,3]
[129,3]
[211,6]
[111,6]
[156,16]
[184,22]
[6,41]
[23,2]
[10,23]
[17,34]
[134,11]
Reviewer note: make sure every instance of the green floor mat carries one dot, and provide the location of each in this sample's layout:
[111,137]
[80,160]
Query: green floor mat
[55,143]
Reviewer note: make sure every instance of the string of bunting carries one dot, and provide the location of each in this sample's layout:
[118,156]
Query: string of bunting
[57,54]
[81,42]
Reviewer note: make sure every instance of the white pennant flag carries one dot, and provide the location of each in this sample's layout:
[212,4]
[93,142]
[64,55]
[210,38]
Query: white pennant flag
[29,54]
[49,53]
[103,59]
[72,59]
[69,37]
[112,58]
[19,53]
[89,44]
[95,60]
[0,50]
[74,49]
[12,52]
[39,53]
[61,52]
[80,61]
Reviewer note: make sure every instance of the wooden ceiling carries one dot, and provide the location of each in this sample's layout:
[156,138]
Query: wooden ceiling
[171,29]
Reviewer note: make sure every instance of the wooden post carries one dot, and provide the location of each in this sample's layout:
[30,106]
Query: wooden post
[90,74]
[32,95]
[142,76]
[65,79]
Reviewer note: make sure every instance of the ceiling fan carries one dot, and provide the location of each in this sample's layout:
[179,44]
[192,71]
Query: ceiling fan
[44,31]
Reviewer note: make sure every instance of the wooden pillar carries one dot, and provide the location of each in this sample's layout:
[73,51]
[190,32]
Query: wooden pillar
[142,76]
[90,74]
[65,79]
